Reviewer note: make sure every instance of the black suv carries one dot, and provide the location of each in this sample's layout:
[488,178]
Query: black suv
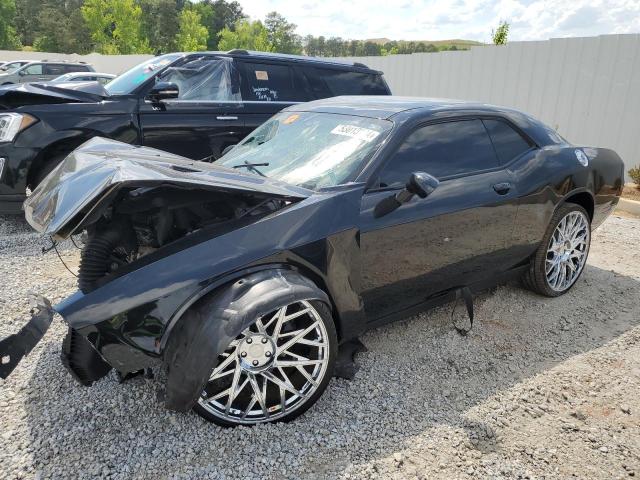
[191,104]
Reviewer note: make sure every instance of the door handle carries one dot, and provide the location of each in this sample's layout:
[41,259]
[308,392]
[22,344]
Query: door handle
[502,188]
[226,117]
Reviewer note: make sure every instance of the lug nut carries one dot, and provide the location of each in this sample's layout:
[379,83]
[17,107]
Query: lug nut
[249,340]
[264,340]
[267,354]
[255,363]
[243,354]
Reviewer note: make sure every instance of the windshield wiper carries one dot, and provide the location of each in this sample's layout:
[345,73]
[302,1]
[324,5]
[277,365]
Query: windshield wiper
[252,167]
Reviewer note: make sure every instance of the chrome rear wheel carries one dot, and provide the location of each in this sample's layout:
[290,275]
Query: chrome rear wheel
[567,251]
[273,370]
[562,254]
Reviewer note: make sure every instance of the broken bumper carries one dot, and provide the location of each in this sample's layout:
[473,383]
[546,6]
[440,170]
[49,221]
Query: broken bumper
[17,346]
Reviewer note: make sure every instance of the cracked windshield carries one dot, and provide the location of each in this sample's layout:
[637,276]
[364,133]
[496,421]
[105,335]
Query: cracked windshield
[311,150]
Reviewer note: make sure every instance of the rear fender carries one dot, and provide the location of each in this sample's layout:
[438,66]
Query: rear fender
[209,325]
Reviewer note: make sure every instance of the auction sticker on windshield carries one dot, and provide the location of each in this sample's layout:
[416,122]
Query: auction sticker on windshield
[361,133]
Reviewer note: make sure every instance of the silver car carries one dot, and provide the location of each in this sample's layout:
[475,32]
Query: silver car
[103,78]
[38,71]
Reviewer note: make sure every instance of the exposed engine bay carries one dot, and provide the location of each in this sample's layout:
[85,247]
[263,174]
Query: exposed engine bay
[135,204]
[146,219]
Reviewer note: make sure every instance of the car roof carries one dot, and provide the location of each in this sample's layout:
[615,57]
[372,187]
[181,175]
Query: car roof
[386,106]
[403,109]
[328,62]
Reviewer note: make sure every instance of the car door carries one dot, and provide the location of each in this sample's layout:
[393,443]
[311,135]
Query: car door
[458,235]
[206,117]
[33,72]
[268,87]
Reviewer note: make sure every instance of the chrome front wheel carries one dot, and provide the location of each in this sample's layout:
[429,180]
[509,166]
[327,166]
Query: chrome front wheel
[274,370]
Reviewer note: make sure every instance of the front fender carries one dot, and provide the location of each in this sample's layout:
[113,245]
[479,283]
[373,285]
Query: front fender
[207,328]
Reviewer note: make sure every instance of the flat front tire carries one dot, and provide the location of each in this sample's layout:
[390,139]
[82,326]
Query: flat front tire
[562,254]
[274,370]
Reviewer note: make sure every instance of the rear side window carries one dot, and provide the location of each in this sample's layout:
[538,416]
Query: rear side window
[76,68]
[442,150]
[330,83]
[53,69]
[507,142]
[270,83]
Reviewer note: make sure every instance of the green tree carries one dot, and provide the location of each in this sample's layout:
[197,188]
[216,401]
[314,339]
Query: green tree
[160,24]
[60,31]
[247,35]
[8,37]
[192,36]
[115,26]
[217,15]
[500,34]
[27,13]
[282,34]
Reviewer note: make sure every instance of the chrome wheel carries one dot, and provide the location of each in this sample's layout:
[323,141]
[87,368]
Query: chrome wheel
[271,369]
[567,251]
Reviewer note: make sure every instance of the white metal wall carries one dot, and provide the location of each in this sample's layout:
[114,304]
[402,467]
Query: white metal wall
[586,88]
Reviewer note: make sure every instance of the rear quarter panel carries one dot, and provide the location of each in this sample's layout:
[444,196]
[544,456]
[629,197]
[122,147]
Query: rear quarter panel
[547,177]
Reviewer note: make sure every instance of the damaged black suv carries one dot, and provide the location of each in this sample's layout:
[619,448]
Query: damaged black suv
[195,105]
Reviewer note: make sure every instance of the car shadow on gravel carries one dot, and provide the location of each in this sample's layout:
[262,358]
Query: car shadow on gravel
[418,375]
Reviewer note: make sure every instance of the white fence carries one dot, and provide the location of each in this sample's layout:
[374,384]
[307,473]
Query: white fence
[586,88]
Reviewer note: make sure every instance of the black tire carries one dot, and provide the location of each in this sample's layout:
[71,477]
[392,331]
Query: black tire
[197,340]
[535,278]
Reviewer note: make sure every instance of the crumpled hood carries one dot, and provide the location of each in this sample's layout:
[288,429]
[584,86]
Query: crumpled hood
[13,96]
[87,181]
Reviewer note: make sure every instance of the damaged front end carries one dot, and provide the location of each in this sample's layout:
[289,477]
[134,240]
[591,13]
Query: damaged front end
[144,215]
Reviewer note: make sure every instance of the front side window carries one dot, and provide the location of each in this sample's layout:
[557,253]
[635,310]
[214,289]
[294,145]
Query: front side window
[270,83]
[35,69]
[313,150]
[130,80]
[205,78]
[442,150]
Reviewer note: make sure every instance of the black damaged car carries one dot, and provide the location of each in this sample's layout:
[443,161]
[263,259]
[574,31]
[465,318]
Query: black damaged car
[190,104]
[244,277]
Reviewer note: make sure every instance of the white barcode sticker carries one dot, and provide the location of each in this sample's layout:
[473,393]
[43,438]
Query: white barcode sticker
[361,133]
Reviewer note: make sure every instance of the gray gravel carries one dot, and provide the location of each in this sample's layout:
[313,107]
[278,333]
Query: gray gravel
[541,388]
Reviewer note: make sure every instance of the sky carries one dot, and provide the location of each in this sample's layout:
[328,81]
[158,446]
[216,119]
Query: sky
[463,19]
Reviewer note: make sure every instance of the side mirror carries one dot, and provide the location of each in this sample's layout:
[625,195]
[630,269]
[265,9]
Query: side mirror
[22,73]
[420,183]
[163,91]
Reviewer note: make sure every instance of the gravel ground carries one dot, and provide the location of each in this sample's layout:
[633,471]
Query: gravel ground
[541,388]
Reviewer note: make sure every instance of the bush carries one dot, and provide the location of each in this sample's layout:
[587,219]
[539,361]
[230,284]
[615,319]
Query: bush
[634,173]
